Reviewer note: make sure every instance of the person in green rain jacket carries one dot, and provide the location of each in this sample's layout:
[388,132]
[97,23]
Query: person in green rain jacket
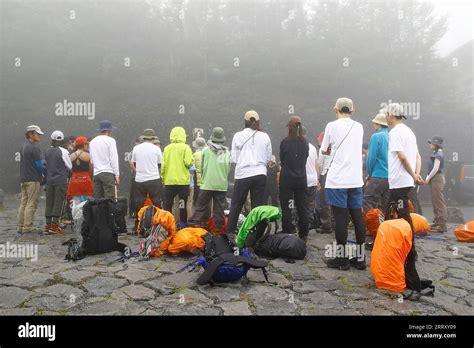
[177,159]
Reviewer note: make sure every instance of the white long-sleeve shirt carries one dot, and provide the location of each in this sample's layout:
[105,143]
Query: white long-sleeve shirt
[251,151]
[104,156]
[66,158]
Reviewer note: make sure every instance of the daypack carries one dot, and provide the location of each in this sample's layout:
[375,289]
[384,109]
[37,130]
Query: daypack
[220,263]
[187,240]
[248,233]
[387,261]
[156,228]
[465,233]
[99,230]
[373,219]
[281,245]
[420,224]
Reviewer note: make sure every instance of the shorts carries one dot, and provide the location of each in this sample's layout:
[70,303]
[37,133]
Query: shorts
[351,198]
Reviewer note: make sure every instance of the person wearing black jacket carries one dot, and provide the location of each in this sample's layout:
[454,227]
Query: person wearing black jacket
[294,150]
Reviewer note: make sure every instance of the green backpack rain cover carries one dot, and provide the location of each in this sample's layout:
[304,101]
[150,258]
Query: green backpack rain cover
[256,215]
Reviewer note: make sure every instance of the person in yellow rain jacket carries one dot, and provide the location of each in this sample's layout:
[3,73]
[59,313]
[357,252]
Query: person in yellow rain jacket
[177,159]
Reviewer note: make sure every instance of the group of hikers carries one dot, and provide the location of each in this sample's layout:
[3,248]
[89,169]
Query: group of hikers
[330,179]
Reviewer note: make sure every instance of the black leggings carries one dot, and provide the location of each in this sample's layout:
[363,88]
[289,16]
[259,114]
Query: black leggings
[341,215]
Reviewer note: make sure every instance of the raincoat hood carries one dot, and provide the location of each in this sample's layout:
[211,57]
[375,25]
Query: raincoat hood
[178,135]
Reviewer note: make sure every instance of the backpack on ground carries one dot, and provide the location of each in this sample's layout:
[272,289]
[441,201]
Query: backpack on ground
[248,233]
[288,246]
[187,240]
[99,230]
[220,263]
[420,224]
[465,233]
[156,228]
[373,219]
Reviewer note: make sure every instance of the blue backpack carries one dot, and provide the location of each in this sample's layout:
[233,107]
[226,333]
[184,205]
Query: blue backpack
[221,265]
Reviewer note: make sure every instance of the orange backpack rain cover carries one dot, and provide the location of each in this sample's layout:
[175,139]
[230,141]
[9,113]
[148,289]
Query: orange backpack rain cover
[465,233]
[420,224]
[373,219]
[165,219]
[391,247]
[187,240]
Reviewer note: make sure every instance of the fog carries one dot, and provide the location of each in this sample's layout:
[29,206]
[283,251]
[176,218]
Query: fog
[158,64]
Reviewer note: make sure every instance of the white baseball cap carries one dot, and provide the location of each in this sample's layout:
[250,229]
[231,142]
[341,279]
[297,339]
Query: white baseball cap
[250,114]
[57,135]
[34,128]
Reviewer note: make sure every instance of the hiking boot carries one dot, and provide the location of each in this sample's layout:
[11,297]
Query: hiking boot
[55,229]
[341,263]
[30,230]
[66,222]
[438,229]
[324,231]
[360,265]
[304,239]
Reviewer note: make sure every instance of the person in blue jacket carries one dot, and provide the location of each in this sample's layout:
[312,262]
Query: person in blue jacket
[376,192]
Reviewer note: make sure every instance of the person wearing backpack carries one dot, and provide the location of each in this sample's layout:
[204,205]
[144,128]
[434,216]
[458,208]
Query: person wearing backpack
[327,219]
[199,144]
[376,191]
[104,158]
[294,151]
[436,180]
[251,151]
[215,165]
[58,164]
[344,181]
[146,159]
[177,160]
[404,167]
[31,176]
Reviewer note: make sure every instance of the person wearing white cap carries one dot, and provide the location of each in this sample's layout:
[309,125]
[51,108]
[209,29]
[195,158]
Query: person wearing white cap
[251,151]
[31,172]
[58,165]
[344,181]
[376,191]
[404,167]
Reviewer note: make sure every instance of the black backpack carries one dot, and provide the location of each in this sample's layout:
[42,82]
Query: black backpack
[99,230]
[74,250]
[146,221]
[265,240]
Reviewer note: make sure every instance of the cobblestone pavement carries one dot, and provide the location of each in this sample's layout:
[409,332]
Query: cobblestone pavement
[52,286]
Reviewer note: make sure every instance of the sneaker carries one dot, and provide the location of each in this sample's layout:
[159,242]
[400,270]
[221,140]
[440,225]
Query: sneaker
[46,228]
[66,222]
[341,263]
[55,229]
[30,230]
[360,265]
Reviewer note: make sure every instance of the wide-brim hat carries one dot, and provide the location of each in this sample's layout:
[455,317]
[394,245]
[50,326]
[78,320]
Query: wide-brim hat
[217,135]
[34,128]
[199,143]
[149,134]
[436,140]
[380,119]
[105,126]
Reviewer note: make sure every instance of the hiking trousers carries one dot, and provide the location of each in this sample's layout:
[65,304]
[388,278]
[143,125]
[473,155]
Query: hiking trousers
[55,200]
[376,194]
[256,186]
[327,220]
[400,196]
[202,208]
[104,185]
[311,192]
[292,195]
[182,191]
[152,188]
[30,192]
[437,199]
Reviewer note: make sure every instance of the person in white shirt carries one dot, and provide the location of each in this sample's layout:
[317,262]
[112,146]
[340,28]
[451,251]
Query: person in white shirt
[404,168]
[312,183]
[251,152]
[104,158]
[146,159]
[344,181]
